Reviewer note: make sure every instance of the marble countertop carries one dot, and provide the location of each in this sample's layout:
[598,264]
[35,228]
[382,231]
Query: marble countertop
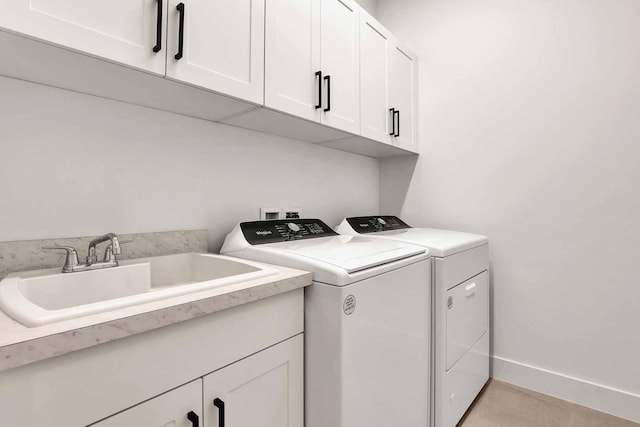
[21,345]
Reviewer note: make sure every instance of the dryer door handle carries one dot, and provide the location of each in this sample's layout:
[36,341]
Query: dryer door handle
[471,289]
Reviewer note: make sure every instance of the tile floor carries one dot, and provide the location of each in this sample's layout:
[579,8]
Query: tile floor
[505,405]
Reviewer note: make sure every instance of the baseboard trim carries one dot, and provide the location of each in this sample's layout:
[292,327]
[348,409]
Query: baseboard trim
[596,396]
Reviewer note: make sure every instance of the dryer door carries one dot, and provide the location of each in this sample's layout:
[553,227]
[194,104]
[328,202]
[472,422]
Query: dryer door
[467,316]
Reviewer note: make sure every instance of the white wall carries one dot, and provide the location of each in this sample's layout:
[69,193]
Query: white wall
[370,6]
[530,134]
[76,165]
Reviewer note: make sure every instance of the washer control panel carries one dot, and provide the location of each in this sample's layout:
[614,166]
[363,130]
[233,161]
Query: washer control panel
[374,224]
[261,232]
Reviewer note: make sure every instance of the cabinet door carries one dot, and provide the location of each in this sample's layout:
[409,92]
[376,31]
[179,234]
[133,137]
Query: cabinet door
[264,390]
[404,96]
[124,31]
[292,57]
[340,62]
[222,46]
[177,408]
[375,47]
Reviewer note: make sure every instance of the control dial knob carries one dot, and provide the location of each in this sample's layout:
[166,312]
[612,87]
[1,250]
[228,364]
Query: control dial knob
[293,227]
[382,222]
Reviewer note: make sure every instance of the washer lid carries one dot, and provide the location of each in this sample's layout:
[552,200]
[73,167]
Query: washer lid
[351,253]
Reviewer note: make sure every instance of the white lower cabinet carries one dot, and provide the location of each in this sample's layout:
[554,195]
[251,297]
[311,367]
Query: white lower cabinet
[249,357]
[181,407]
[264,390]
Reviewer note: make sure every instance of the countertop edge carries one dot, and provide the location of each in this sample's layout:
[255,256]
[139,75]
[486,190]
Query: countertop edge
[32,350]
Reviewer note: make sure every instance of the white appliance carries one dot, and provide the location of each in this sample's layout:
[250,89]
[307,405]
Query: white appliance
[367,320]
[461,330]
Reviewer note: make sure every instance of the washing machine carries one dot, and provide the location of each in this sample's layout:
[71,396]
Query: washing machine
[367,317]
[460,346]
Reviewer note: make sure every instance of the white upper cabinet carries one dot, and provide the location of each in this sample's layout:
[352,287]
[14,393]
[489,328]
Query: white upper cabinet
[340,62]
[181,407]
[403,94]
[292,57]
[131,32]
[376,113]
[313,62]
[218,45]
[263,390]
[388,87]
[324,61]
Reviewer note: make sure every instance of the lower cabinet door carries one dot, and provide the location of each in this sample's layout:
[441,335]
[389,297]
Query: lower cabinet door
[263,390]
[181,407]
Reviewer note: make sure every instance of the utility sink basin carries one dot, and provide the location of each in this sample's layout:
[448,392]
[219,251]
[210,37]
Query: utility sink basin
[41,297]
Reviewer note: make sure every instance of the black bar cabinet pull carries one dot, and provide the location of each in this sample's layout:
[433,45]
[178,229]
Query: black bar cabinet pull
[328,80]
[398,125]
[393,121]
[158,47]
[319,76]
[180,8]
[194,418]
[218,403]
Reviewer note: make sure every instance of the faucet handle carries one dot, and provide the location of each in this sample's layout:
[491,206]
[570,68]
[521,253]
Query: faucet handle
[91,255]
[71,259]
[110,255]
[115,245]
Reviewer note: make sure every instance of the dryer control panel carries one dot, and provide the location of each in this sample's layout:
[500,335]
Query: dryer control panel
[261,232]
[374,224]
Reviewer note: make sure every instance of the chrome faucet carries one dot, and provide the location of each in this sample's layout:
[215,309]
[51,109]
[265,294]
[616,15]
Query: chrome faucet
[115,245]
[71,264]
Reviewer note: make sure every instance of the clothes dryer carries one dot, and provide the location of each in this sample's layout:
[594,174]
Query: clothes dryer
[460,346]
